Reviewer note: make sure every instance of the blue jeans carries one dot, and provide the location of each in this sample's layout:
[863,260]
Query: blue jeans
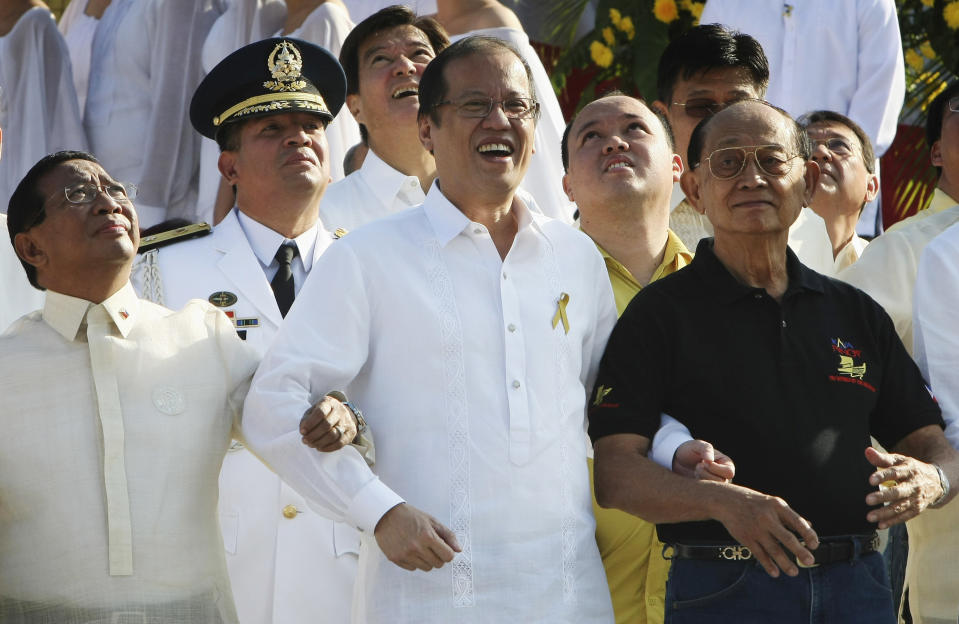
[741,592]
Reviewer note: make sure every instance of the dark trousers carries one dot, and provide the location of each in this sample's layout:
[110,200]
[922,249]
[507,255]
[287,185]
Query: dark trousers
[854,592]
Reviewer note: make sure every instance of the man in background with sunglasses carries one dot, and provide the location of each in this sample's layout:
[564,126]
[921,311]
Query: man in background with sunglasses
[789,373]
[847,180]
[701,72]
[887,271]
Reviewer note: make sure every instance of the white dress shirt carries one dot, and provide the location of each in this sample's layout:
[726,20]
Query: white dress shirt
[477,400]
[38,105]
[78,29]
[374,190]
[116,419]
[17,296]
[933,563]
[842,56]
[145,64]
[264,242]
[887,268]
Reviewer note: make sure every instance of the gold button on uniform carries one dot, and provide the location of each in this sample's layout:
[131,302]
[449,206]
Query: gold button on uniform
[289,511]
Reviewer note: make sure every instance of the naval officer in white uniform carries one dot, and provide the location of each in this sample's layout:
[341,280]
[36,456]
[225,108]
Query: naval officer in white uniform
[267,106]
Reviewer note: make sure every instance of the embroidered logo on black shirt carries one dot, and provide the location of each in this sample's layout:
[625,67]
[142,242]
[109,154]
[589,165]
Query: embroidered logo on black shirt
[852,367]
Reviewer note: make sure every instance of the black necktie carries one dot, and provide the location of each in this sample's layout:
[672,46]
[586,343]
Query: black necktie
[282,283]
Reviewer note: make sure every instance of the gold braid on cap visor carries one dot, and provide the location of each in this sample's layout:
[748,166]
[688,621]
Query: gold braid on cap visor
[273,102]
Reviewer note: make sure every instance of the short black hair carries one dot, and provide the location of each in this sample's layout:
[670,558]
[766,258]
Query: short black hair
[433,84]
[384,19]
[865,145]
[935,114]
[697,141]
[705,47]
[564,142]
[25,209]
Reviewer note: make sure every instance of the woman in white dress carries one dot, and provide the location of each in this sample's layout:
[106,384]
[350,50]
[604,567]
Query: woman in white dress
[38,105]
[145,65]
[78,25]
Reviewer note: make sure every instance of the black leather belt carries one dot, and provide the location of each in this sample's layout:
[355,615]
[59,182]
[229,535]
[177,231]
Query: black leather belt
[831,550]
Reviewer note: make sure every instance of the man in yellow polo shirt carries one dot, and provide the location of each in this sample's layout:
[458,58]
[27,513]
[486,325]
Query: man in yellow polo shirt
[620,168]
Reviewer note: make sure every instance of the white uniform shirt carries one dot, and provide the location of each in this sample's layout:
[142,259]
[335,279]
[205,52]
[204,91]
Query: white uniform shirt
[38,105]
[843,56]
[374,190]
[887,268]
[287,563]
[109,460]
[17,296]
[476,400]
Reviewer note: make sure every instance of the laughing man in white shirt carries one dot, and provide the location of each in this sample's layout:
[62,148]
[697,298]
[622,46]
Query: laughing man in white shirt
[469,329]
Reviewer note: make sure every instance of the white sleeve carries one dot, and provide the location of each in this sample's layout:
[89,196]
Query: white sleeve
[935,331]
[669,437]
[321,346]
[878,98]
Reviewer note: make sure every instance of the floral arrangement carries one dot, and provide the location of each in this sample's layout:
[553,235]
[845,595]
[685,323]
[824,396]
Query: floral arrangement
[624,46]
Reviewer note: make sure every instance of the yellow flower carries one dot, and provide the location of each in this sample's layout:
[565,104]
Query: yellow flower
[927,51]
[666,11]
[697,9]
[626,25]
[951,14]
[928,3]
[914,60]
[615,16]
[601,55]
[608,36]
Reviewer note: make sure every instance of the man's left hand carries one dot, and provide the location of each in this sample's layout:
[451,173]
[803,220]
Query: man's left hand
[328,425]
[916,487]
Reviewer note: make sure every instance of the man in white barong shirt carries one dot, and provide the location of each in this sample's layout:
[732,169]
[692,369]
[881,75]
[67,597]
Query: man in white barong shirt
[116,414]
[469,329]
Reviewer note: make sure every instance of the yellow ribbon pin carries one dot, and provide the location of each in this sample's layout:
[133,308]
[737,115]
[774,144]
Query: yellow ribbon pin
[561,312]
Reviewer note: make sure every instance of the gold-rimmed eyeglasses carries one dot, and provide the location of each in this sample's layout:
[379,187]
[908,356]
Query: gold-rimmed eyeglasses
[728,162]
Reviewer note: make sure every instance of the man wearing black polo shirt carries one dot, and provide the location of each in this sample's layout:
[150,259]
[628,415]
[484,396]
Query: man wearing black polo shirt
[818,368]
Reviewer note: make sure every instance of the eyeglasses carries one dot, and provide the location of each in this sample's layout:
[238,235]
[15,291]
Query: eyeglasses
[729,162]
[701,108]
[954,104]
[838,147]
[514,108]
[87,192]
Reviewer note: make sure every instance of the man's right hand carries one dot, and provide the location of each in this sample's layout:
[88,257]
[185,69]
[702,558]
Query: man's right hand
[415,540]
[769,528]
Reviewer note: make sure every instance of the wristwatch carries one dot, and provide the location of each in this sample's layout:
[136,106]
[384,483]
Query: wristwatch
[944,482]
[357,414]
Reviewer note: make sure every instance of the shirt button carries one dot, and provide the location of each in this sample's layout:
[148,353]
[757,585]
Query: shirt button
[477,231]
[516,383]
[784,322]
[290,511]
[511,327]
[504,274]
[758,296]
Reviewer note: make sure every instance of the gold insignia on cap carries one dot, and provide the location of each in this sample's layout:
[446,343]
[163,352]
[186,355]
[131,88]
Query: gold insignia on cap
[285,64]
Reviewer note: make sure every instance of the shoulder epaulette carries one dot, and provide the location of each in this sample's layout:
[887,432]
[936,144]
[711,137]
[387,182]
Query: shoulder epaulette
[180,234]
